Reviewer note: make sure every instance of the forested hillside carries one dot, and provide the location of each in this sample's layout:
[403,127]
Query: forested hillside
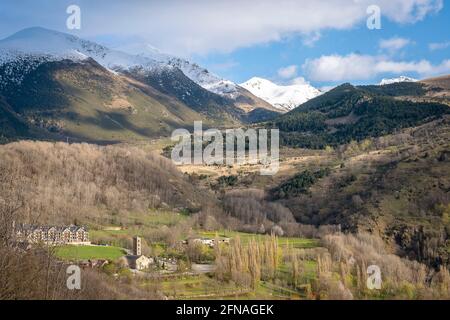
[60,183]
[354,113]
[396,185]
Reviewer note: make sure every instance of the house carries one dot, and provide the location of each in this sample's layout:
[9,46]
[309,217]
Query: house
[208,242]
[137,261]
[204,241]
[52,235]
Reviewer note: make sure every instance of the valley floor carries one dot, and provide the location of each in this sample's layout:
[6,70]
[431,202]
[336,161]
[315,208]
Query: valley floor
[309,232]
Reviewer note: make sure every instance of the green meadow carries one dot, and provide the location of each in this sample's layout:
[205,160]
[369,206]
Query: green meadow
[89,252]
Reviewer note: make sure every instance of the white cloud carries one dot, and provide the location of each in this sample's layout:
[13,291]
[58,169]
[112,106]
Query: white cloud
[394,44]
[299,81]
[288,72]
[363,67]
[204,26]
[439,45]
[310,39]
[338,68]
[422,67]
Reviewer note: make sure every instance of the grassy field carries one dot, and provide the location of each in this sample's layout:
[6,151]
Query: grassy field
[205,287]
[197,287]
[300,243]
[88,252]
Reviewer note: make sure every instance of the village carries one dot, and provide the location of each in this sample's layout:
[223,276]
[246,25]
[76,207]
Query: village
[133,259]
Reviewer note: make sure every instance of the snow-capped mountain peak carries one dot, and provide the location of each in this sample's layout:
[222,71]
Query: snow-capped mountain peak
[44,41]
[397,80]
[196,73]
[49,45]
[29,48]
[284,98]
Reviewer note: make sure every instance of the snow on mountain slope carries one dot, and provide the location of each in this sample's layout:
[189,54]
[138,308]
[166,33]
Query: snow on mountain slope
[39,42]
[284,98]
[25,51]
[41,45]
[196,73]
[33,46]
[397,80]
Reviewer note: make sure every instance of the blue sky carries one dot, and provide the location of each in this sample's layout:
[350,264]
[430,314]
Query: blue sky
[324,42]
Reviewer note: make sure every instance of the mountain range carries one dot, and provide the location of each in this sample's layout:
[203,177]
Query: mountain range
[57,84]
